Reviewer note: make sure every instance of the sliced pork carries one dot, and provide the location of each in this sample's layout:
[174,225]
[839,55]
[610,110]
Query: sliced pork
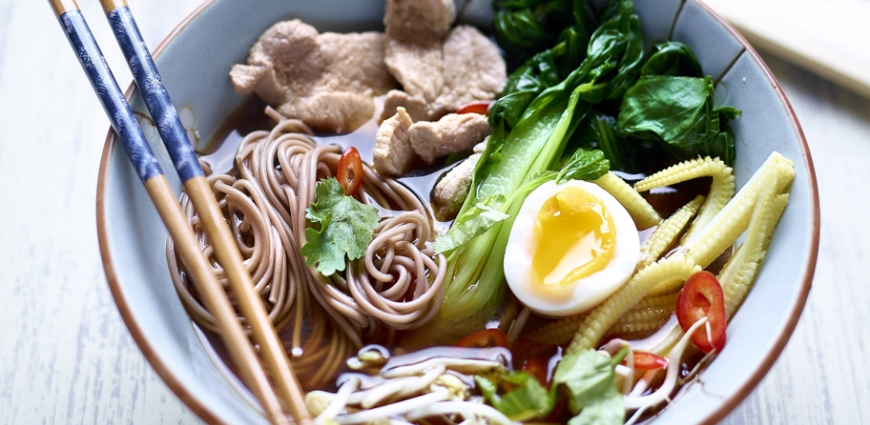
[393,154]
[452,133]
[327,80]
[451,191]
[473,69]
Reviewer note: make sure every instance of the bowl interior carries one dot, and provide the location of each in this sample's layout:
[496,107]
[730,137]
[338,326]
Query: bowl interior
[195,62]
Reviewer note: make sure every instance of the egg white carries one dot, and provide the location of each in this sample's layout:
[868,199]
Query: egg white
[585,293]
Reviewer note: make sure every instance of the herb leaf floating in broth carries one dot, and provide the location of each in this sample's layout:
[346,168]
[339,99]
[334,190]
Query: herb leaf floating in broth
[588,377]
[526,400]
[346,228]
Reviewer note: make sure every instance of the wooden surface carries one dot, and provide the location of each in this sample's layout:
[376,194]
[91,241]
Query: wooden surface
[809,33]
[66,356]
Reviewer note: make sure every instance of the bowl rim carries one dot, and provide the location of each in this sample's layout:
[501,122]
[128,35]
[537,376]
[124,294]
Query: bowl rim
[209,416]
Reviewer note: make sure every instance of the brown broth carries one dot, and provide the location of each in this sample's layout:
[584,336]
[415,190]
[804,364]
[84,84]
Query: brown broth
[413,346]
[219,153]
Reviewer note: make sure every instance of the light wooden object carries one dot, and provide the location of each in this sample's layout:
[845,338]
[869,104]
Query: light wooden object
[829,38]
[238,344]
[271,350]
[163,198]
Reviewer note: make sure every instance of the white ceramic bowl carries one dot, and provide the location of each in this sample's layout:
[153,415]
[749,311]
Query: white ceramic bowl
[195,60]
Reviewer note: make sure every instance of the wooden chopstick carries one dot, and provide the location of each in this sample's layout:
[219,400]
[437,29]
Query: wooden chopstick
[125,124]
[201,195]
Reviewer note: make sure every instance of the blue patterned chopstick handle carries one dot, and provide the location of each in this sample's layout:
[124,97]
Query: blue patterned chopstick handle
[153,91]
[112,98]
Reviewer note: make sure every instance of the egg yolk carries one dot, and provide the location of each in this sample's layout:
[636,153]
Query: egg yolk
[575,237]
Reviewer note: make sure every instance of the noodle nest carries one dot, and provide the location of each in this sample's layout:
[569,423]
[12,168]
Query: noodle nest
[397,284]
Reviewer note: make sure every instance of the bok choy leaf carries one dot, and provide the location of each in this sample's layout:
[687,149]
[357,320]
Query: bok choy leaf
[584,165]
[480,218]
[679,113]
[672,58]
[525,27]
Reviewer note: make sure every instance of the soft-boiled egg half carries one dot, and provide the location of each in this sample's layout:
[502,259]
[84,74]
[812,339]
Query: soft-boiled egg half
[571,246]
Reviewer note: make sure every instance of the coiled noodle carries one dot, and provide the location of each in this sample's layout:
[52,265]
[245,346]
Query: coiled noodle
[398,284]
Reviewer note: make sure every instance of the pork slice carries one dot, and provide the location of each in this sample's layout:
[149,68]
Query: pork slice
[451,191]
[416,66]
[393,155]
[326,80]
[473,69]
[331,111]
[282,64]
[417,108]
[355,63]
[411,20]
[452,133]
[413,53]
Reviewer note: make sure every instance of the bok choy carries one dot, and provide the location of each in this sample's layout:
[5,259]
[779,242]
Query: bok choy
[533,146]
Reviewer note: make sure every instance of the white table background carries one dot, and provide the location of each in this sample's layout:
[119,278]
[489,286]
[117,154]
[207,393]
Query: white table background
[66,356]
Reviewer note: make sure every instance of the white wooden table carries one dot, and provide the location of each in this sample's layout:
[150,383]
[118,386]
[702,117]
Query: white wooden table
[66,356]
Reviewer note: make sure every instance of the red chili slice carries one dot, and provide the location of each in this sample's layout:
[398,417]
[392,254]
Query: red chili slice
[477,107]
[647,361]
[350,171]
[537,367]
[702,297]
[484,339]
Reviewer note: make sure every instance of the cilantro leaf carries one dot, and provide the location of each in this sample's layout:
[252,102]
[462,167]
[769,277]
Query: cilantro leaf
[609,409]
[588,377]
[346,228]
[527,399]
[476,221]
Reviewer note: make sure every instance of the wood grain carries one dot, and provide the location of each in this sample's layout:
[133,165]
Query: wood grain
[66,356]
[821,377]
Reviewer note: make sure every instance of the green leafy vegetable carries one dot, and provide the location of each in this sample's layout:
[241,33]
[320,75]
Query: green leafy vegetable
[588,380]
[584,165]
[526,400]
[672,58]
[679,112]
[588,377]
[618,44]
[481,218]
[525,27]
[346,228]
[606,410]
[534,145]
[544,70]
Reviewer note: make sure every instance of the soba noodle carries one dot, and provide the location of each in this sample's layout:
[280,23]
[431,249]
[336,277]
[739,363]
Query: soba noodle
[398,284]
